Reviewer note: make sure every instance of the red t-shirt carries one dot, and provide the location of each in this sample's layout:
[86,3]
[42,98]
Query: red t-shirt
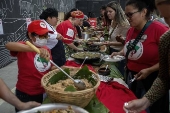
[146,53]
[31,68]
[67,30]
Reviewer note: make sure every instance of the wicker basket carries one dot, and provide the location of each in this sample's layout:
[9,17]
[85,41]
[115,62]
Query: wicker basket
[79,98]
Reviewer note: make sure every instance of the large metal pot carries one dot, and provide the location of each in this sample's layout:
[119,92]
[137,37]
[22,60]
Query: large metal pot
[86,35]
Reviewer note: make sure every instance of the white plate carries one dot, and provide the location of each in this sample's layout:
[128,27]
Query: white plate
[117,58]
[47,107]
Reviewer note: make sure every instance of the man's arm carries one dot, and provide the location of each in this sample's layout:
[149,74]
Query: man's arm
[9,97]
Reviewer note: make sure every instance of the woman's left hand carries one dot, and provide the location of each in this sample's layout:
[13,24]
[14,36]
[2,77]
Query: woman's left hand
[142,74]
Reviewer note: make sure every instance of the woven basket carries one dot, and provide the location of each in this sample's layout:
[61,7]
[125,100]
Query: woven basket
[79,98]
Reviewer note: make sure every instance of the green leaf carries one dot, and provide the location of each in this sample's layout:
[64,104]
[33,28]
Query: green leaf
[95,106]
[59,76]
[70,88]
[84,73]
[115,73]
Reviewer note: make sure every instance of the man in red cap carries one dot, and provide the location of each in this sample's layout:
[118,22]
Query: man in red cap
[31,65]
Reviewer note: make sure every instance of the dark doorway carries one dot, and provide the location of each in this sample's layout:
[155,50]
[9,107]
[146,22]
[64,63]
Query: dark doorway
[92,7]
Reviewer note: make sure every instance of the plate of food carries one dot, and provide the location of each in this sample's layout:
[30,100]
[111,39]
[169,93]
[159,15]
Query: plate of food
[56,108]
[116,58]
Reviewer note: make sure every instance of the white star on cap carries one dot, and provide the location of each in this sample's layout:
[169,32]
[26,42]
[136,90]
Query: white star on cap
[43,25]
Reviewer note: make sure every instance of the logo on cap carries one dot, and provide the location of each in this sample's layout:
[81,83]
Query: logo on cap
[42,24]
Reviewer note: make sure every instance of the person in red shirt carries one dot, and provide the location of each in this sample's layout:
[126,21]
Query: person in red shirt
[143,58]
[161,84]
[68,31]
[31,65]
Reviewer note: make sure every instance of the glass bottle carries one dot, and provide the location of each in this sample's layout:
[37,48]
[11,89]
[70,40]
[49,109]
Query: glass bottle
[106,34]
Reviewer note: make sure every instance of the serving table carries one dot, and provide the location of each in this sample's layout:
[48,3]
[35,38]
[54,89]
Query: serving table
[112,94]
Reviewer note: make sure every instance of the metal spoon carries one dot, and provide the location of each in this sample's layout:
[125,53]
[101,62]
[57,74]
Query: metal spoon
[106,67]
[102,58]
[77,83]
[84,61]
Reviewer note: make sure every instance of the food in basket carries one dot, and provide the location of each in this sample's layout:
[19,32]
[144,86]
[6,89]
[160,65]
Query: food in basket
[72,97]
[63,84]
[68,110]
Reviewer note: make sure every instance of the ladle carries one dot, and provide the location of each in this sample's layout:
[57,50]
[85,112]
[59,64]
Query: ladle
[77,82]
[84,61]
[106,67]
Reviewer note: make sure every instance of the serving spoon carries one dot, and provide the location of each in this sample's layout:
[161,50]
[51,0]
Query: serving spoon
[106,67]
[84,61]
[77,82]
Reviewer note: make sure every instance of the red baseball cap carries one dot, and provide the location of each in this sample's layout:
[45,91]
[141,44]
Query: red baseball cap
[38,27]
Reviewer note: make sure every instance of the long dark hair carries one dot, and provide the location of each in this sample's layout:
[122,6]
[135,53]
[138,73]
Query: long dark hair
[143,4]
[120,15]
[107,20]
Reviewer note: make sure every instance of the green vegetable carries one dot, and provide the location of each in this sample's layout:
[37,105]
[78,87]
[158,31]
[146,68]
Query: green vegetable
[115,73]
[59,76]
[95,106]
[70,88]
[84,73]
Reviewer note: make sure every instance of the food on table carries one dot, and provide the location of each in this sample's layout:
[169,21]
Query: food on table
[62,84]
[82,55]
[68,110]
[103,48]
[93,39]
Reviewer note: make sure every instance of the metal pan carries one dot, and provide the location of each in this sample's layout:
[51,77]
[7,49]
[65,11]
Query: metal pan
[47,107]
[92,57]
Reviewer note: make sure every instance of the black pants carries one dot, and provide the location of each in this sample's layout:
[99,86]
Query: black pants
[139,88]
[26,98]
[121,64]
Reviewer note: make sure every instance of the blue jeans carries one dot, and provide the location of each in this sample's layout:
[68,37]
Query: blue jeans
[121,64]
